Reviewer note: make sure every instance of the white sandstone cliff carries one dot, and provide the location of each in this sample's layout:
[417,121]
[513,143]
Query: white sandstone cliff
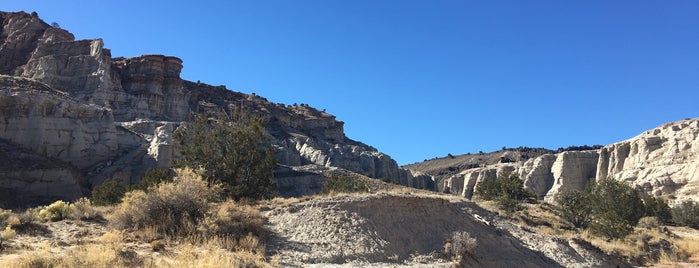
[663,162]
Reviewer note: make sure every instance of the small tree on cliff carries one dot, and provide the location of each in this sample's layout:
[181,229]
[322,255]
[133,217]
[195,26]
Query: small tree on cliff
[235,153]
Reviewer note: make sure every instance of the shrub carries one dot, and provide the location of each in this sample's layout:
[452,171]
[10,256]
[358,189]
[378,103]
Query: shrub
[172,208]
[609,208]
[657,207]
[235,153]
[343,184]
[110,191]
[686,214]
[507,189]
[82,209]
[57,211]
[488,189]
[610,225]
[157,245]
[153,177]
[233,219]
[459,247]
[506,184]
[575,207]
[649,222]
[4,215]
[25,219]
[6,235]
[612,195]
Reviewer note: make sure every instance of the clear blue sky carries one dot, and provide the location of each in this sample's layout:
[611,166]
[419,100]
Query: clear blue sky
[419,79]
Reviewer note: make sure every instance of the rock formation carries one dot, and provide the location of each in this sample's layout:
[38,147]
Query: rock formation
[69,101]
[662,162]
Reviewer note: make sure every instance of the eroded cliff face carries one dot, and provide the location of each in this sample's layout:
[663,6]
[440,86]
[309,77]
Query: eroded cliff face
[663,161]
[304,135]
[545,175]
[69,100]
[53,124]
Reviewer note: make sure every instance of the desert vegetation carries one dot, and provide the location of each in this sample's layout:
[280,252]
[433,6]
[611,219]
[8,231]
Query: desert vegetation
[459,248]
[186,218]
[610,208]
[343,184]
[234,153]
[615,218]
[507,190]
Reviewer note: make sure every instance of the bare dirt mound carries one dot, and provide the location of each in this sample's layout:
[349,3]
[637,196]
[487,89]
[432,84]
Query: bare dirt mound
[410,230]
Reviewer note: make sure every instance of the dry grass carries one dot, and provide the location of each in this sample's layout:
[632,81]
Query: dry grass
[193,256]
[176,224]
[683,250]
[109,251]
[646,246]
[173,208]
[649,244]
[617,247]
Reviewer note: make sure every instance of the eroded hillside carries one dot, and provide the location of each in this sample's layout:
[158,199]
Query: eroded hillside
[70,101]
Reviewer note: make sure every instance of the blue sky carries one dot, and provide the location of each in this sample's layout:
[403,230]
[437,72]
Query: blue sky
[421,79]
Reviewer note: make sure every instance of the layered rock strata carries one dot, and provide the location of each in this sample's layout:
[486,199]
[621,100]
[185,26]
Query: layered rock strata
[69,100]
[662,162]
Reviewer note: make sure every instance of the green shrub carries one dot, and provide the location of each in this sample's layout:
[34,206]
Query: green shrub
[173,208]
[508,204]
[686,214]
[610,225]
[575,207]
[612,195]
[507,189]
[57,211]
[235,153]
[608,208]
[110,191]
[343,184]
[657,207]
[153,177]
[488,189]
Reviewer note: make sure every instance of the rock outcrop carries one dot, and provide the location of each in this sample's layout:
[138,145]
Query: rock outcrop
[545,175]
[69,100]
[662,162]
[29,178]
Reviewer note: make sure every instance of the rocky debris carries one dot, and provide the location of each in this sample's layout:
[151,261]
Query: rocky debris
[398,229]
